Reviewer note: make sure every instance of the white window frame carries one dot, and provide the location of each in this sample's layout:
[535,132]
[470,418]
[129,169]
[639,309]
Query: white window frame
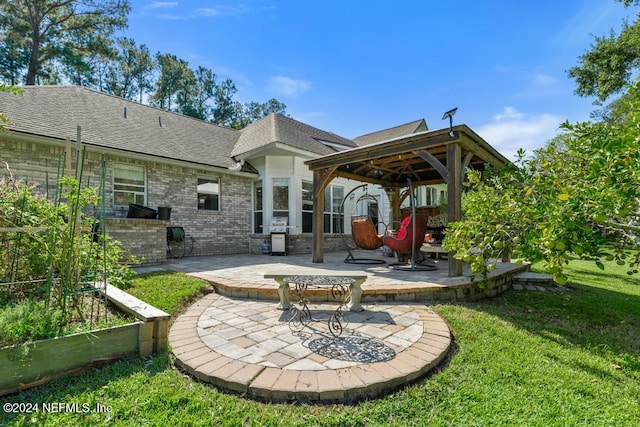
[306,199]
[208,192]
[284,182]
[258,226]
[139,197]
[332,211]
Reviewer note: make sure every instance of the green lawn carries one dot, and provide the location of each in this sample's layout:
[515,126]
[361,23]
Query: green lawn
[524,358]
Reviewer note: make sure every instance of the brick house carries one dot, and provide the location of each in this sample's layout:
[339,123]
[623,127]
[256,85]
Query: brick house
[224,186]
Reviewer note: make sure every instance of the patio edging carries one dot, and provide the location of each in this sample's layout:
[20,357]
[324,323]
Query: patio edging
[350,384]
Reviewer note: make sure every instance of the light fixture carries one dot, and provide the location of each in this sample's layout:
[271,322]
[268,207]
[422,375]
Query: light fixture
[450,115]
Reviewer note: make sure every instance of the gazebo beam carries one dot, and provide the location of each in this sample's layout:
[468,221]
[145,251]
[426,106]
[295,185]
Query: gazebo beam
[437,165]
[414,142]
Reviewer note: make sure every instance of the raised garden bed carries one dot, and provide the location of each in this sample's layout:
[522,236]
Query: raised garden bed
[28,365]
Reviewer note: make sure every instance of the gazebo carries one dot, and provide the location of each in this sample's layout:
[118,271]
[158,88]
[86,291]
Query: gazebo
[424,158]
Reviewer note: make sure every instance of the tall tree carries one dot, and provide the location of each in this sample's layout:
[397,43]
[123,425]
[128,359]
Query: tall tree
[86,68]
[128,74]
[253,111]
[142,72]
[205,91]
[611,62]
[225,110]
[61,30]
[174,84]
[13,56]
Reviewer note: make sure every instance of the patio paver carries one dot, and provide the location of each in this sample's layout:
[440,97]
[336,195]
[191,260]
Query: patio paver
[238,340]
[264,365]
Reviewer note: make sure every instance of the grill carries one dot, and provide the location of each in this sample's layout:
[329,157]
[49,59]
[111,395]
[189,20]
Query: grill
[278,228]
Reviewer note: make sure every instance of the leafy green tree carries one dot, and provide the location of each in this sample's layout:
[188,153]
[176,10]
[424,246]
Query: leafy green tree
[205,91]
[226,109]
[608,67]
[253,111]
[198,94]
[174,84]
[86,68]
[13,57]
[576,197]
[143,68]
[120,79]
[62,31]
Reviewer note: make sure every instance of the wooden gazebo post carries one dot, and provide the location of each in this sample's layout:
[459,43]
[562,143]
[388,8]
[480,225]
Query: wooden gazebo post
[454,197]
[318,217]
[321,178]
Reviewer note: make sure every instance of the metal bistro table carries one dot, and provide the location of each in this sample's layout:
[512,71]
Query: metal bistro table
[340,291]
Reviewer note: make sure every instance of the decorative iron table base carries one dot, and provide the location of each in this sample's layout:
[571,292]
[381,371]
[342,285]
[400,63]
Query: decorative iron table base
[340,291]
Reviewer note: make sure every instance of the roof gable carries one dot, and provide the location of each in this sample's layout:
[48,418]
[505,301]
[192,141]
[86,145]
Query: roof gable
[391,133]
[276,128]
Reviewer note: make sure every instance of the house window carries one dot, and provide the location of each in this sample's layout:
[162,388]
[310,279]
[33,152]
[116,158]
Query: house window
[307,207]
[432,196]
[209,194]
[333,196]
[129,185]
[257,207]
[281,197]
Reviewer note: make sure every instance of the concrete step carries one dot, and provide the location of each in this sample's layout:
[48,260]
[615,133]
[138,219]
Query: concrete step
[532,281]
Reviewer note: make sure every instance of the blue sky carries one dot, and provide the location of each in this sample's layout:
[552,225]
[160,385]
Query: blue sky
[353,67]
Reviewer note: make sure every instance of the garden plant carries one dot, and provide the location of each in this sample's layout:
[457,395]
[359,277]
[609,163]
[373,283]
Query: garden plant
[52,260]
[576,197]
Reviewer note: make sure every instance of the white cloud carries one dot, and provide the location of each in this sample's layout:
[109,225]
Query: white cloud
[543,79]
[509,113]
[204,12]
[171,17]
[512,130]
[162,4]
[221,11]
[287,86]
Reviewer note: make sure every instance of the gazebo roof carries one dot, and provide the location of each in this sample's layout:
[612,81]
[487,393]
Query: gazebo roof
[420,157]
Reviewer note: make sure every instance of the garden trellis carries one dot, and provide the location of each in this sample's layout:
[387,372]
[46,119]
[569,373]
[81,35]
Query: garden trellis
[54,250]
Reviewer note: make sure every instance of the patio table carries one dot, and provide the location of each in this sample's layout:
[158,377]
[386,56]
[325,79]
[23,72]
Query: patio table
[354,288]
[340,291]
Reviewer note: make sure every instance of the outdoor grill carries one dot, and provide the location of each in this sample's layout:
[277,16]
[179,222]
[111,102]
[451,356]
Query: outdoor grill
[278,229]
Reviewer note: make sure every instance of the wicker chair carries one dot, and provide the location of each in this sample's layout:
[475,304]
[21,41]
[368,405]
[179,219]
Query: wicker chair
[365,234]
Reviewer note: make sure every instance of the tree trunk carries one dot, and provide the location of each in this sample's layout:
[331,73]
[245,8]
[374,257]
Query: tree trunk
[33,61]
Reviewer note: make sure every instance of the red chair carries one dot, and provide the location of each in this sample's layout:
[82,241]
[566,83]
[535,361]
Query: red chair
[401,242]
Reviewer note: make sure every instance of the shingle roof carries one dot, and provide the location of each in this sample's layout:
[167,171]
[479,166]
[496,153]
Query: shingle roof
[394,132]
[116,123]
[276,128]
[56,111]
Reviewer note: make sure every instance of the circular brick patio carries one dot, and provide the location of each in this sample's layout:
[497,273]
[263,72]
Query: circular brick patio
[247,346]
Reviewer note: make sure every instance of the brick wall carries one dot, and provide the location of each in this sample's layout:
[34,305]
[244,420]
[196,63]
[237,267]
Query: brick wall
[146,239]
[301,243]
[173,185]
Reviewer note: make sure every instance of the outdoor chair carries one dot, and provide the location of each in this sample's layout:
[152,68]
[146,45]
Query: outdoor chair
[401,243]
[365,234]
